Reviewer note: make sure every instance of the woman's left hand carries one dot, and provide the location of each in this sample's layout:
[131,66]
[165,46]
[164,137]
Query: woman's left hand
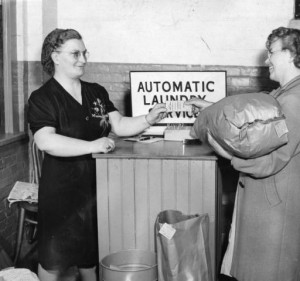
[157,113]
[218,148]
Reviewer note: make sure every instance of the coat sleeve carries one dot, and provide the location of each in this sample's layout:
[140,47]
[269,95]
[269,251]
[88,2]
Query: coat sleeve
[272,163]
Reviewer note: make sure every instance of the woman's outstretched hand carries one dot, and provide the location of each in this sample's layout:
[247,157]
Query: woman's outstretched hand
[156,114]
[197,104]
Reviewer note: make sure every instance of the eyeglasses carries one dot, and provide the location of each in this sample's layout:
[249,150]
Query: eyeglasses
[77,54]
[271,53]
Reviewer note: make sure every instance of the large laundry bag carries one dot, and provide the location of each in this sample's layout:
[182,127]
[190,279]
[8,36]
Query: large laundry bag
[182,247]
[246,125]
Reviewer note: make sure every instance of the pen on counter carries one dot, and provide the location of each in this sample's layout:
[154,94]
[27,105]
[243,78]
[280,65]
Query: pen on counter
[145,138]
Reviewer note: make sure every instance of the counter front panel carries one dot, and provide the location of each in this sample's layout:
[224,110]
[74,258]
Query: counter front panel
[137,181]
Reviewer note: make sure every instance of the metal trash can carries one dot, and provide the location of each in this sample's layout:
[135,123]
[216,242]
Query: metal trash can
[129,265]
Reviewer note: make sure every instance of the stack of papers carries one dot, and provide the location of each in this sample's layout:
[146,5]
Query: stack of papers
[23,191]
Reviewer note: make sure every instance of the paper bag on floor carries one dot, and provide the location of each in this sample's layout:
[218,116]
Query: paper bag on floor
[182,247]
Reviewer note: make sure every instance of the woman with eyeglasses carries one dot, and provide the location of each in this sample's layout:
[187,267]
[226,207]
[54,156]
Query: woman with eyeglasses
[70,119]
[264,243]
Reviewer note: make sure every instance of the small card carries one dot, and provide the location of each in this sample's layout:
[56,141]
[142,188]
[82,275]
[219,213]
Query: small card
[178,105]
[281,128]
[167,230]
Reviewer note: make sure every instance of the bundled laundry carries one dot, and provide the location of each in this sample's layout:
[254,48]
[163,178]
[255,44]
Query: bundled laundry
[245,125]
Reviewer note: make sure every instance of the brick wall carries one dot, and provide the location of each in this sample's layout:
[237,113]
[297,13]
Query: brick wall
[13,166]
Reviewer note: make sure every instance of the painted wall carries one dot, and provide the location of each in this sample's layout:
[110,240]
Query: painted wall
[214,32]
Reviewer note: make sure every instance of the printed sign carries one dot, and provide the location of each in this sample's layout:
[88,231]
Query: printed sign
[151,87]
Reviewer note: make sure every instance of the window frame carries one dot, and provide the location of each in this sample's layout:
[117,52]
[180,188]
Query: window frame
[7,75]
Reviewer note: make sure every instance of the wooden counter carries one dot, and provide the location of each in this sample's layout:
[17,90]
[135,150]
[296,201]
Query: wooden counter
[136,181]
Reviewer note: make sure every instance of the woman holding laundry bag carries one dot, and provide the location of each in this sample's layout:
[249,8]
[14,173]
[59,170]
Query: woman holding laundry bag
[264,242]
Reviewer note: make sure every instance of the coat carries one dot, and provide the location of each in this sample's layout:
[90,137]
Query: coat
[264,243]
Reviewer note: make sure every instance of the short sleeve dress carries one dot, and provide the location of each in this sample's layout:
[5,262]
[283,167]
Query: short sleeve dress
[67,223]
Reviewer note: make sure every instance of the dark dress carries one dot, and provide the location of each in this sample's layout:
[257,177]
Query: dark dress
[67,223]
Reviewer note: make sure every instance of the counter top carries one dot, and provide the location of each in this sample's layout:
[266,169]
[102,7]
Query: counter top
[159,150]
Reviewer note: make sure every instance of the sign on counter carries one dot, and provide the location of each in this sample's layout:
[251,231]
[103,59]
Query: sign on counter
[151,87]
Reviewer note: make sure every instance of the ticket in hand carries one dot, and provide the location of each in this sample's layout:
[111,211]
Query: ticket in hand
[178,105]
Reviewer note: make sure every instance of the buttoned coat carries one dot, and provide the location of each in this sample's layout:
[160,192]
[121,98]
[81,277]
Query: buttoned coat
[265,236]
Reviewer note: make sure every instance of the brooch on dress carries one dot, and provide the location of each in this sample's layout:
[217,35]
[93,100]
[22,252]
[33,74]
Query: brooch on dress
[98,109]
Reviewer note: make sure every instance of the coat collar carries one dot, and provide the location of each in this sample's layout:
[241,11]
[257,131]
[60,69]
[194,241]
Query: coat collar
[293,83]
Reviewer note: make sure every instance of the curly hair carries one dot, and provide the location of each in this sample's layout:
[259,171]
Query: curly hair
[290,39]
[55,39]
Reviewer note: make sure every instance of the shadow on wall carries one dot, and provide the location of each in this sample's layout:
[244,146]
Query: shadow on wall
[127,103]
[228,181]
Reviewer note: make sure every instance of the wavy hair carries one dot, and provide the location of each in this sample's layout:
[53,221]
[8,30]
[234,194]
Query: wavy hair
[55,39]
[290,39]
